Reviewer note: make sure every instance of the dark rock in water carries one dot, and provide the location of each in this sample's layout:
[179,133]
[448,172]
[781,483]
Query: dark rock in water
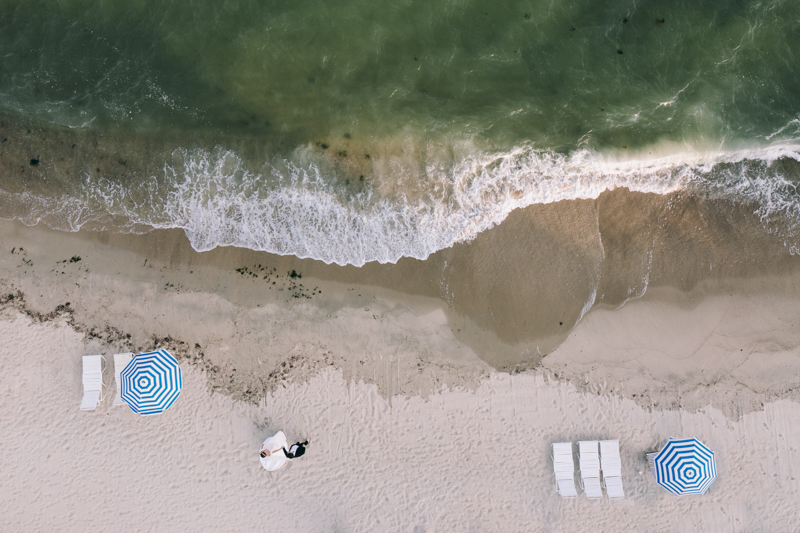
[323,146]
[34,162]
[619,51]
[624,21]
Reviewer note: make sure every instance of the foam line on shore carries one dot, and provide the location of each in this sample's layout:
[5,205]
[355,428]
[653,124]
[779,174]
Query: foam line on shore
[298,210]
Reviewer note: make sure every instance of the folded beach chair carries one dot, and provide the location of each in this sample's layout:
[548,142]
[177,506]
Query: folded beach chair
[92,381]
[612,468]
[590,469]
[651,461]
[564,469]
[121,360]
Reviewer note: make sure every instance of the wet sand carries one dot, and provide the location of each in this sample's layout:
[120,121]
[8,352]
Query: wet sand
[506,301]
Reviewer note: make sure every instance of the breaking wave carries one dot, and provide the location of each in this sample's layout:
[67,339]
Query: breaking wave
[295,209]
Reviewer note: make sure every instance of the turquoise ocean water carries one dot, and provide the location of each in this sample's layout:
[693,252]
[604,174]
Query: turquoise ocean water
[356,131]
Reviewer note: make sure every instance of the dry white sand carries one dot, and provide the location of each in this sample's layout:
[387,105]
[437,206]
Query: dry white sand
[462,461]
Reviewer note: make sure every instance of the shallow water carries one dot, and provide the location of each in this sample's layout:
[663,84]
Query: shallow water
[504,73]
[353,131]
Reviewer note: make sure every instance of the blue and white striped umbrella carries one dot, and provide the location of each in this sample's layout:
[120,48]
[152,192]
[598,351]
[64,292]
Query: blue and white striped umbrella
[151,382]
[685,466]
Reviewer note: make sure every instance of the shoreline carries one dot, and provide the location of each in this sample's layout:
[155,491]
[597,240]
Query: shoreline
[222,190]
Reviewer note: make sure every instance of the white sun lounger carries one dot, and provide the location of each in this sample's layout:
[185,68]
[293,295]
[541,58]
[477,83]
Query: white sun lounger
[92,382]
[564,468]
[121,360]
[612,468]
[590,469]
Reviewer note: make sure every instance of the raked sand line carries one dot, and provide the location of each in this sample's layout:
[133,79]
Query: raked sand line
[461,461]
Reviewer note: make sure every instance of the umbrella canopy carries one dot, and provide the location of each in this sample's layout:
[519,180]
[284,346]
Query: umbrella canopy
[151,382]
[685,466]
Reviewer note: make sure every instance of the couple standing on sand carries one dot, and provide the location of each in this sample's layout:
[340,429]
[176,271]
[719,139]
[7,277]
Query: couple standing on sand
[274,452]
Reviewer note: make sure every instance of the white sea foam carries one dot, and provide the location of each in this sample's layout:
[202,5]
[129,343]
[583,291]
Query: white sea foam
[217,202]
[307,217]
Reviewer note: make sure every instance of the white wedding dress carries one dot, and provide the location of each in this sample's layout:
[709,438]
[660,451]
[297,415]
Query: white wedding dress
[278,459]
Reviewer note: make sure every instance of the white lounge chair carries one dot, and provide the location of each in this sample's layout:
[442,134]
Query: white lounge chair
[590,469]
[564,469]
[121,360]
[612,468]
[92,381]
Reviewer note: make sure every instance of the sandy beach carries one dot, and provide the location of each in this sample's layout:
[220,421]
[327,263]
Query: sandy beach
[411,428]
[459,461]
[432,238]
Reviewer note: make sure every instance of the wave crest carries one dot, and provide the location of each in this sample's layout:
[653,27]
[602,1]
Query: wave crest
[306,216]
[295,209]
